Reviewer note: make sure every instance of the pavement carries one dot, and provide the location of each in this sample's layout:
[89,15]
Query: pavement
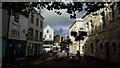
[62,61]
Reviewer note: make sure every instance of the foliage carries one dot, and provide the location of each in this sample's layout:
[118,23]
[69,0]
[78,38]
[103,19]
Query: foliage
[16,7]
[80,36]
[73,33]
[71,8]
[67,41]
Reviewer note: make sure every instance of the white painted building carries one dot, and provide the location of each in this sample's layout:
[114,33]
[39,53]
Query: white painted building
[17,35]
[76,27]
[48,35]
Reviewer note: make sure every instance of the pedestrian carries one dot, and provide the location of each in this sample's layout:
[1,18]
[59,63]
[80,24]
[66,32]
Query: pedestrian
[78,57]
[67,53]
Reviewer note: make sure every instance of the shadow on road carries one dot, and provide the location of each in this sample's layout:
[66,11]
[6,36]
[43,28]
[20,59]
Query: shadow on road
[63,61]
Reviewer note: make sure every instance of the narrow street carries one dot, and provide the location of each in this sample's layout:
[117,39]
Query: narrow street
[63,61]
[60,34]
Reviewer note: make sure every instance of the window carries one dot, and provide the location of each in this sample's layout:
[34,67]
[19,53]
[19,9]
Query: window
[32,18]
[41,24]
[15,32]
[18,33]
[103,20]
[91,21]
[49,36]
[45,36]
[47,31]
[36,34]
[37,21]
[113,13]
[76,29]
[41,35]
[31,33]
[81,28]
[101,46]
[83,48]
[114,47]
[12,31]
[16,17]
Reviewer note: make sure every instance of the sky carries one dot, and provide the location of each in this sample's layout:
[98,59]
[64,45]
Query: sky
[58,21]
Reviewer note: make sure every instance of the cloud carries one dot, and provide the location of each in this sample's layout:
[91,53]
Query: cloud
[58,21]
[54,19]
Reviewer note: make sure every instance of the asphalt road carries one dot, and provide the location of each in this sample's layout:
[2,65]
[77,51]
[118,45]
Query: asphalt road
[60,62]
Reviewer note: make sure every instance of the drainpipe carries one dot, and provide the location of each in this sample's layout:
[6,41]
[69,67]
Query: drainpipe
[7,47]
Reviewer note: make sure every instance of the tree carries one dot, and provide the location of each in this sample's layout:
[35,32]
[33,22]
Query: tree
[26,7]
[15,7]
[80,36]
[71,8]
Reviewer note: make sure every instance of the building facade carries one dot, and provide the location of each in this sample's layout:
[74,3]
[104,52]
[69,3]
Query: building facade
[22,35]
[3,36]
[48,35]
[34,33]
[57,42]
[76,29]
[104,37]
[16,44]
[1,33]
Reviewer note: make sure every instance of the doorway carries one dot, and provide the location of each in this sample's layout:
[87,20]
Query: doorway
[107,54]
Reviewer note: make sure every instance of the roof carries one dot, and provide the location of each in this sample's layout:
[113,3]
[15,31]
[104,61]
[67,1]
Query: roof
[35,9]
[76,20]
[84,15]
[49,27]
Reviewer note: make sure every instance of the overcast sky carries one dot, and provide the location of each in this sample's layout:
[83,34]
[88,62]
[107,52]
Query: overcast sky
[58,21]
